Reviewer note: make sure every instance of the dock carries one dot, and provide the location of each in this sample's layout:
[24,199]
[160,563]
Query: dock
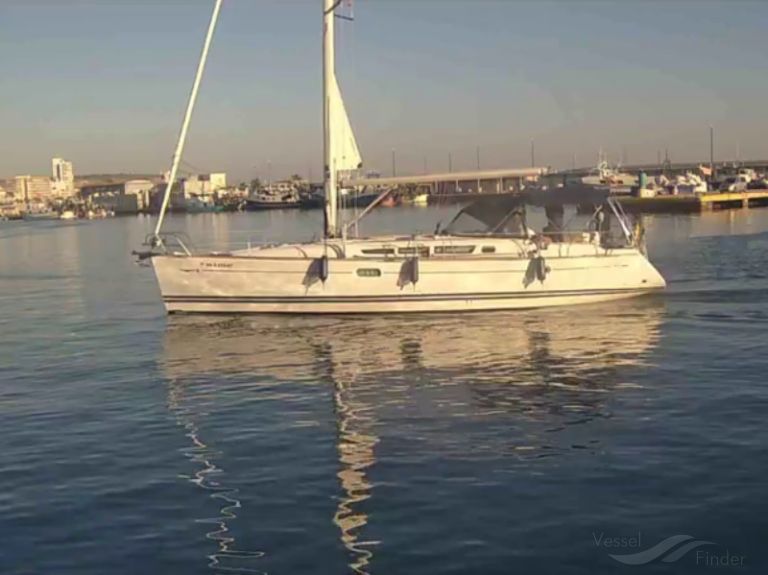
[696,203]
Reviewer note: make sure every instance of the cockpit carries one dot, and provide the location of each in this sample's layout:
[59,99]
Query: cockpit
[563,215]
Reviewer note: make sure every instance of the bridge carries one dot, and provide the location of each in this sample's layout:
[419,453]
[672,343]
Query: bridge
[494,181]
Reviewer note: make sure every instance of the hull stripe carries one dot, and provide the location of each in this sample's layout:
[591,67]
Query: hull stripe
[398,298]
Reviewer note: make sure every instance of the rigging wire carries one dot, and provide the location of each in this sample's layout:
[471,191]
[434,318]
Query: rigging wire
[185,124]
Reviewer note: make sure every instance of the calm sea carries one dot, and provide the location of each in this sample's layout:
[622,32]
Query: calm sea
[550,441]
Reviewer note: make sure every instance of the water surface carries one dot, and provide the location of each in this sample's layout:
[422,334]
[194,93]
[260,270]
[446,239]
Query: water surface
[479,443]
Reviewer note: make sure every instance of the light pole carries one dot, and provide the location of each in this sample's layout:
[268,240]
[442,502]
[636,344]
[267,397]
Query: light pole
[711,154]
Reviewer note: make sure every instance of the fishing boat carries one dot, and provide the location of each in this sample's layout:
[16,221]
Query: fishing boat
[353,198]
[419,200]
[311,200]
[275,196]
[605,175]
[390,201]
[200,205]
[272,201]
[487,258]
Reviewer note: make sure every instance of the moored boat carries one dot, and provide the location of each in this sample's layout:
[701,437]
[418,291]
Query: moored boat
[11,215]
[200,205]
[37,216]
[311,200]
[389,202]
[266,201]
[419,200]
[355,199]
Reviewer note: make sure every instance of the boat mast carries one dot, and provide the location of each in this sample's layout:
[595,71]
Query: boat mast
[341,154]
[329,72]
[185,124]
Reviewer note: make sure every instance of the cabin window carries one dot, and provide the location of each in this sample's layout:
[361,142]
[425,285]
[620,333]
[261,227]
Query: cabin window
[454,249]
[379,252]
[489,249]
[422,251]
[369,272]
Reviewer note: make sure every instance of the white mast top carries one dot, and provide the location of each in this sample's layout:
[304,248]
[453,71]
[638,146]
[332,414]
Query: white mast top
[340,147]
[187,118]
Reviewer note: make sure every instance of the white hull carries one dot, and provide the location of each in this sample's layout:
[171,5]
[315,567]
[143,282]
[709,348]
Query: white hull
[285,279]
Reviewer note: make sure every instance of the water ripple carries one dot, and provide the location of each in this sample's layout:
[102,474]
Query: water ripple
[228,557]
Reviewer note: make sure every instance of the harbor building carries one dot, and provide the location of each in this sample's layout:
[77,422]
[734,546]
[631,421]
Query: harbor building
[63,178]
[35,189]
[129,197]
[204,184]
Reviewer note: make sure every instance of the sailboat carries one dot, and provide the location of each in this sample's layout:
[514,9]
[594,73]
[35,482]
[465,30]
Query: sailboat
[499,262]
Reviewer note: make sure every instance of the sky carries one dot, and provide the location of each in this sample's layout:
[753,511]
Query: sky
[104,83]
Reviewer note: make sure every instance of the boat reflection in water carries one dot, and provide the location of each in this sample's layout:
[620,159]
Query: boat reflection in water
[540,370]
[227,553]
